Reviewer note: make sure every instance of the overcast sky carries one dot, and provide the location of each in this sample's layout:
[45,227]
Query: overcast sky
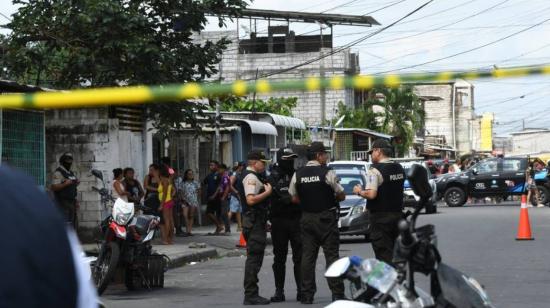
[443,29]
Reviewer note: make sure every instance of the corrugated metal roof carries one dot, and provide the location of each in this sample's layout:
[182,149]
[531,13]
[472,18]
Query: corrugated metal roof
[257,127]
[285,121]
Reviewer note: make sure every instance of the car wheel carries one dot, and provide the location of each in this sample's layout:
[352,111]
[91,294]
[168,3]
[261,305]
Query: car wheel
[544,194]
[455,196]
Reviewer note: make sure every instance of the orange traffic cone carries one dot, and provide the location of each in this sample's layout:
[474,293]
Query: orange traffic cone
[242,242]
[524,229]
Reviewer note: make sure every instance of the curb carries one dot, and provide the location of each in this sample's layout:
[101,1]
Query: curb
[198,256]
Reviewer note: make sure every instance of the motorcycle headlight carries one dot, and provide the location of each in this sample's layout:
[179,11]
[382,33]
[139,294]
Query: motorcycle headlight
[122,218]
[358,209]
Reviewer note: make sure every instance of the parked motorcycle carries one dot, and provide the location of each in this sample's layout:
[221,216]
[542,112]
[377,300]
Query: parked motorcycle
[126,245]
[374,283]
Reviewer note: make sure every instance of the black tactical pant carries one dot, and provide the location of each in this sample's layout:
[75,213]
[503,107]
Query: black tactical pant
[254,232]
[68,208]
[283,231]
[383,233]
[319,230]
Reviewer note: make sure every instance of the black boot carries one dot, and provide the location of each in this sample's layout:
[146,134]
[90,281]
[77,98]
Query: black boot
[255,300]
[278,297]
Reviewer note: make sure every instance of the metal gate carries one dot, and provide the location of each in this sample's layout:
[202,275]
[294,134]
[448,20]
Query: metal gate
[22,142]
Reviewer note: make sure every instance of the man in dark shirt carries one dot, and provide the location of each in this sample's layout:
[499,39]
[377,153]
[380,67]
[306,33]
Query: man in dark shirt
[213,204]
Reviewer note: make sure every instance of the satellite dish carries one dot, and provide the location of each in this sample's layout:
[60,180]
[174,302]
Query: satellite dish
[339,122]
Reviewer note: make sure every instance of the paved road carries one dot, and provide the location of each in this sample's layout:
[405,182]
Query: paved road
[479,240]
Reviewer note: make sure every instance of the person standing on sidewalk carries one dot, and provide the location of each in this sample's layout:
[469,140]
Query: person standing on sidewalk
[285,224]
[315,187]
[64,185]
[212,181]
[384,190]
[223,191]
[256,194]
[191,191]
[234,197]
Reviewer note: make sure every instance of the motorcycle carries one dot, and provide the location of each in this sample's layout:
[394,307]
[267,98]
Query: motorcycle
[126,245]
[374,283]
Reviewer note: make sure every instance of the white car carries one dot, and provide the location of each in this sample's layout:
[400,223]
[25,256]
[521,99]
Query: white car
[349,165]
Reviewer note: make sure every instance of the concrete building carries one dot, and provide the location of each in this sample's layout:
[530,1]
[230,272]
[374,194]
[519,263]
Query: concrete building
[531,141]
[450,116]
[258,56]
[99,138]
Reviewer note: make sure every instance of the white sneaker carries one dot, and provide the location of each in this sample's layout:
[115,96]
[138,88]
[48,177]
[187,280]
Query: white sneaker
[529,205]
[540,205]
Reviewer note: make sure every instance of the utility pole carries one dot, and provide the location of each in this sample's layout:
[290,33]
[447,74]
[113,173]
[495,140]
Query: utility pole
[216,143]
[322,75]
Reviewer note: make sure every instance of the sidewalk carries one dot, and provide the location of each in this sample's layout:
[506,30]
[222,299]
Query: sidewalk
[196,248]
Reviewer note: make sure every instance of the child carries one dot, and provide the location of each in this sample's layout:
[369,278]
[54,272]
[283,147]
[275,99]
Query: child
[166,196]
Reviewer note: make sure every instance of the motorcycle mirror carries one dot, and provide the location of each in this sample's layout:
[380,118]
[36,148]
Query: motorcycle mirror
[98,174]
[338,268]
[418,178]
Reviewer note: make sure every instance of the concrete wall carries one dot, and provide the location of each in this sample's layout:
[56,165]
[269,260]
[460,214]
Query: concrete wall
[531,142]
[244,66]
[96,143]
[439,113]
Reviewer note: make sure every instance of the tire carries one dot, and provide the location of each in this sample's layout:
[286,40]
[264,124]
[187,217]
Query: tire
[431,208]
[455,196]
[544,194]
[106,267]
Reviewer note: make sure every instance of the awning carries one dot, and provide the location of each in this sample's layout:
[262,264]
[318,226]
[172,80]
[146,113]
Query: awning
[281,120]
[257,127]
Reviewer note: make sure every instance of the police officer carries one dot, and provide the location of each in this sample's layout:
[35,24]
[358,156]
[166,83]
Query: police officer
[285,223]
[64,185]
[384,191]
[256,194]
[316,189]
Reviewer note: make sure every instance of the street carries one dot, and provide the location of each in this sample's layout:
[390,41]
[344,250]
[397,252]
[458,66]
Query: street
[476,239]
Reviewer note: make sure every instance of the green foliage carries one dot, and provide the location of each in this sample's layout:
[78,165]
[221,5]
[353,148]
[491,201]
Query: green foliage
[401,116]
[93,43]
[278,105]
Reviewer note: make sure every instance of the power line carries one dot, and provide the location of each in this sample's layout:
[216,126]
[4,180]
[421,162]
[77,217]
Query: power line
[468,50]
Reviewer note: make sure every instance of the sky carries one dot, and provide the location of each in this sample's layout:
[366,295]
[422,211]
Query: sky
[516,32]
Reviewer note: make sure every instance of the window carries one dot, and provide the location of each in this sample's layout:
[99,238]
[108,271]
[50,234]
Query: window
[511,165]
[347,167]
[348,181]
[487,166]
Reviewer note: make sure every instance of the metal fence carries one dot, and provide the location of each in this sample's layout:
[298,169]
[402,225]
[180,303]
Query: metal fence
[22,142]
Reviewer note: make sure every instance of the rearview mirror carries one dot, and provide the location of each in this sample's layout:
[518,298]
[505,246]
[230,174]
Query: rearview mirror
[475,171]
[98,174]
[418,178]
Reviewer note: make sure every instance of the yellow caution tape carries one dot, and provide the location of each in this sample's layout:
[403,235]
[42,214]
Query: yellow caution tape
[166,93]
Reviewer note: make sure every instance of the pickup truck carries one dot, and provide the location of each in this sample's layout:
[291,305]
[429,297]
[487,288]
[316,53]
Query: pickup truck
[492,177]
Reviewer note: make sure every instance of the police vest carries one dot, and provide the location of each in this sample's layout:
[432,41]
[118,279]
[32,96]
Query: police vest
[262,206]
[390,194]
[281,201]
[69,192]
[315,194]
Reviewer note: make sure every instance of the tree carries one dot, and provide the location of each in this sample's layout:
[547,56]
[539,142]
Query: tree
[278,105]
[70,44]
[401,115]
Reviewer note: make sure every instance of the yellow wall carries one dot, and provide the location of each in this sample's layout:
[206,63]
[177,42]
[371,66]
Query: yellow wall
[487,132]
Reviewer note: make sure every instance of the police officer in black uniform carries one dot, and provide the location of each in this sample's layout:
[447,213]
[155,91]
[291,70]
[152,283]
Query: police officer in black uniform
[316,188]
[64,185]
[285,223]
[384,191]
[256,192]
